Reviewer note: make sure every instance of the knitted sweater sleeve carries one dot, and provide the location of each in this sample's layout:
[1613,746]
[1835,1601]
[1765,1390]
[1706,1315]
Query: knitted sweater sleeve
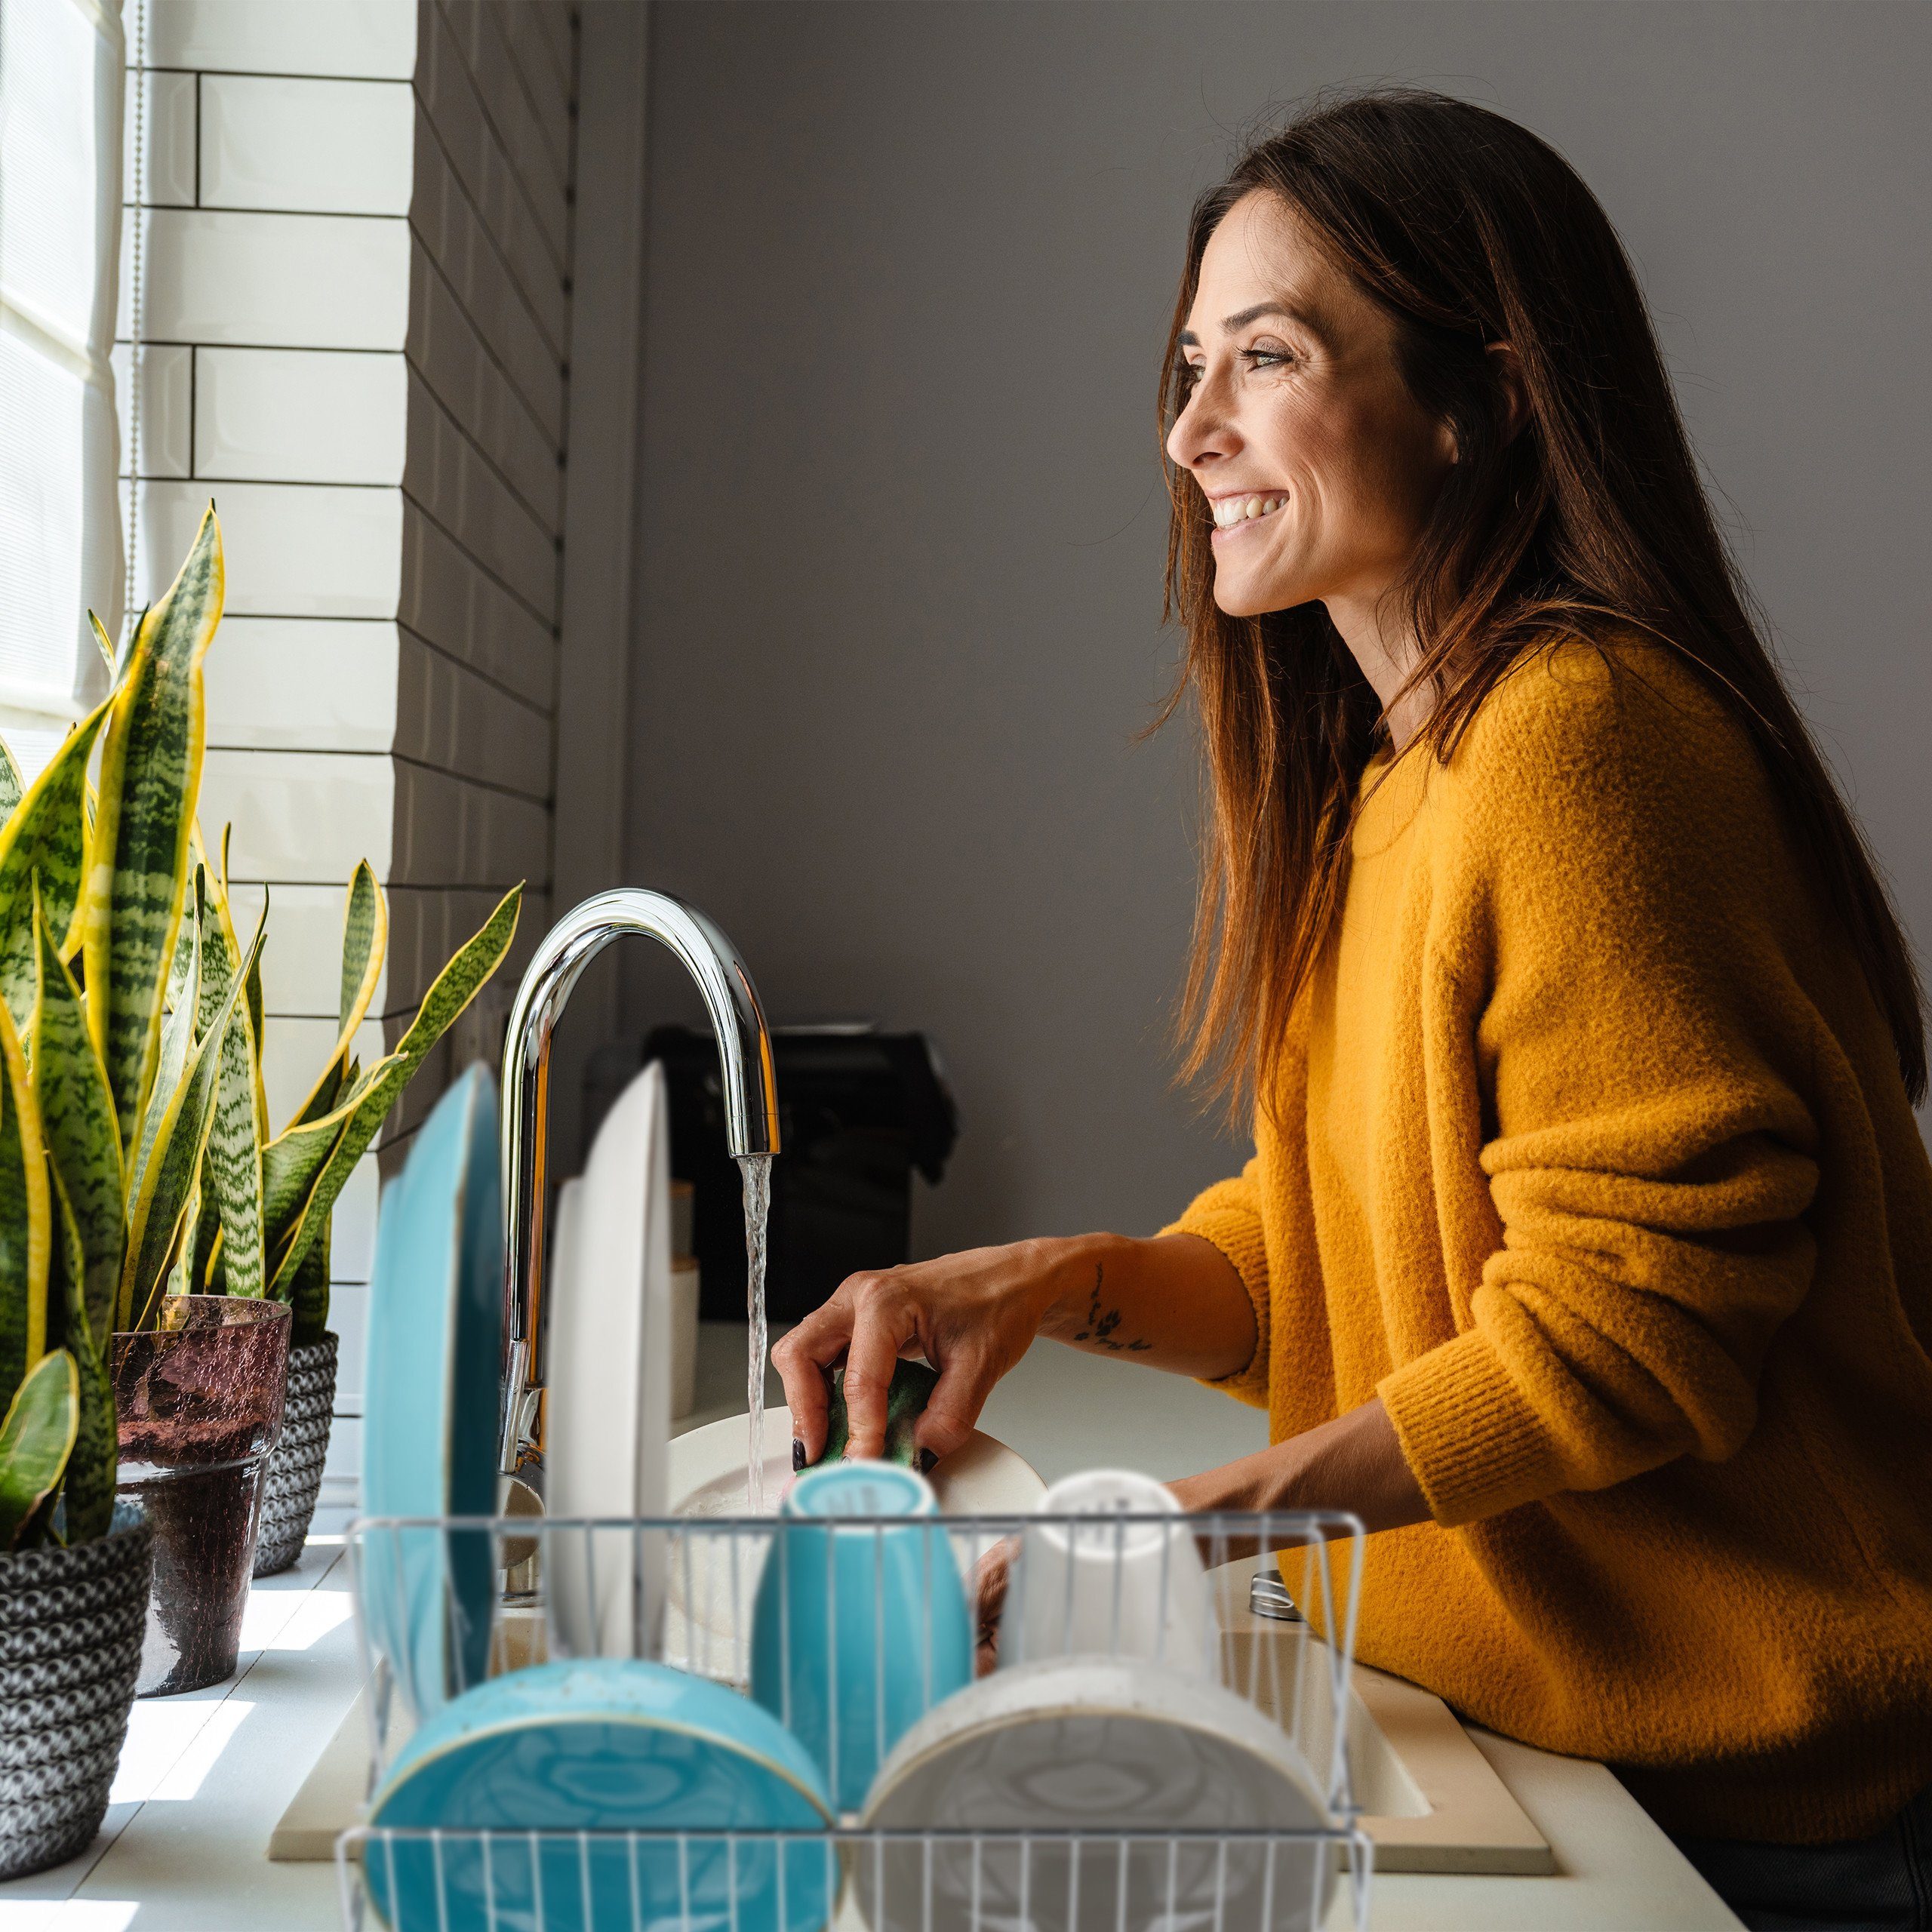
[1228,1214]
[1641,1049]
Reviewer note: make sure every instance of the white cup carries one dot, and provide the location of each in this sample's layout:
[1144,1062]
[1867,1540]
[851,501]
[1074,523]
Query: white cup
[1107,1587]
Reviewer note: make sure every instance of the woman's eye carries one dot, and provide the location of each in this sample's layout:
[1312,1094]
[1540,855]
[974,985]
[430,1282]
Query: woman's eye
[1257,358]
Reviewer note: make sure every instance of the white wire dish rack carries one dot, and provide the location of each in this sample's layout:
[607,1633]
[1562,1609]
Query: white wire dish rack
[1142,1742]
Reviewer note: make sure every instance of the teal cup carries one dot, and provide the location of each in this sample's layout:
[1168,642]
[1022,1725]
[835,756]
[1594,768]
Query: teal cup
[860,1626]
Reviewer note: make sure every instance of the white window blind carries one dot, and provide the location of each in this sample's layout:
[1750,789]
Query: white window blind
[60,546]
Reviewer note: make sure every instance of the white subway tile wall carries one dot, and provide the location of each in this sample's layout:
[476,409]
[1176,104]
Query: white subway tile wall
[292,549]
[167,410]
[361,39]
[355,240]
[300,416]
[165,104]
[293,684]
[276,142]
[305,817]
[299,281]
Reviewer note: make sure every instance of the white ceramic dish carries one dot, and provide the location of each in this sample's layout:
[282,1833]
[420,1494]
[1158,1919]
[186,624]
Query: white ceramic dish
[608,1375]
[707,1625]
[1087,1745]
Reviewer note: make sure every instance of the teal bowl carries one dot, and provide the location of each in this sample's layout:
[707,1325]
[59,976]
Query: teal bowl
[601,1745]
[858,1629]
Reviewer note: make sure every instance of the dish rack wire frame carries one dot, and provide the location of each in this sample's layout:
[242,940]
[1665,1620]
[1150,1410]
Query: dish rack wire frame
[652,1561]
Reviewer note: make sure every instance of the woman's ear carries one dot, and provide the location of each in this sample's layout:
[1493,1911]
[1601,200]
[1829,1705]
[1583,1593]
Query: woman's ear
[1507,367]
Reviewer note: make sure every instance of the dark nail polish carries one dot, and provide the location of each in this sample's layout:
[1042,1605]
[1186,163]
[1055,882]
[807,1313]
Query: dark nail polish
[927,1460]
[797,1453]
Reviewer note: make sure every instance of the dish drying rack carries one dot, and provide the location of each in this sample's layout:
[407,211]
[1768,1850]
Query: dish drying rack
[1284,1585]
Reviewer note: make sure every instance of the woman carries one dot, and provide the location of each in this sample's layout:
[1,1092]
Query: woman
[1586,1250]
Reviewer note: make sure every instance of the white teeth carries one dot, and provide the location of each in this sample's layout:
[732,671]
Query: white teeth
[1232,510]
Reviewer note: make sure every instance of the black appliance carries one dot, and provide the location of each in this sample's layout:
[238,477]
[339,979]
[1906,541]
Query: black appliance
[858,1111]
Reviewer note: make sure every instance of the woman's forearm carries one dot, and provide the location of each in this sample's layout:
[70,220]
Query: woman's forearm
[1354,1463]
[1175,1302]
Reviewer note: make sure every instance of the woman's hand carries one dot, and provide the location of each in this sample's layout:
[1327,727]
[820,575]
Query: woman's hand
[972,1315]
[991,1575]
[1173,1302]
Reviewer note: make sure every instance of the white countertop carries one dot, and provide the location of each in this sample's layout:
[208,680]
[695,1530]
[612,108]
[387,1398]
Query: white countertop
[206,1777]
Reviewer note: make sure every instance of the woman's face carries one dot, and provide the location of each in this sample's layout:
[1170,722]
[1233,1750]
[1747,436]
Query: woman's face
[1319,465]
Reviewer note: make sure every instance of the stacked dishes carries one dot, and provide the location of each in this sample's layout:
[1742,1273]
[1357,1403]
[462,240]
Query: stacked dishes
[602,1746]
[1113,1723]
[1100,1780]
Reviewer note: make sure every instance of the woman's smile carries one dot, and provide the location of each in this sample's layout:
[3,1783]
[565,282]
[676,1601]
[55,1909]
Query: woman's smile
[1235,513]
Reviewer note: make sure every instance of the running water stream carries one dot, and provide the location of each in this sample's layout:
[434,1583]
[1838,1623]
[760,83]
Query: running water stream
[758,1203]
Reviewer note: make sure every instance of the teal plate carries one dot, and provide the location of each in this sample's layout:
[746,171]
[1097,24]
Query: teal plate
[429,1440]
[602,1746]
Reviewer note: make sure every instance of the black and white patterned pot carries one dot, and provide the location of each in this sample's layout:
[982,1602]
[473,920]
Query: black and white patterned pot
[71,1623]
[295,1469]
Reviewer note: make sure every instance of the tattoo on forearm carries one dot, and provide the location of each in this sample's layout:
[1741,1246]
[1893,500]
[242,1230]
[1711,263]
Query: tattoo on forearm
[1101,1322]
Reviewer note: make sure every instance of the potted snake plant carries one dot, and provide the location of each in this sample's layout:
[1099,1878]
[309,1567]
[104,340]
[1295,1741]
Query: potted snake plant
[156,1246]
[223,1291]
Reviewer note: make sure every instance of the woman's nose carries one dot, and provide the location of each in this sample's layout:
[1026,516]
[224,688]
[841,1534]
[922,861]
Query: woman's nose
[1202,430]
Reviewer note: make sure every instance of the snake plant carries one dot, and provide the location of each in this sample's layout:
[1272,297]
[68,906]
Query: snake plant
[136,1158]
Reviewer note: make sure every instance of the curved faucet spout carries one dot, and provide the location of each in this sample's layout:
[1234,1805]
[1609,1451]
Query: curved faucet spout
[744,1050]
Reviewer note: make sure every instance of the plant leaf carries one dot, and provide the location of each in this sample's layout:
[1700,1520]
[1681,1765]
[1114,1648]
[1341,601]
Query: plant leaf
[25,1234]
[150,778]
[47,836]
[13,787]
[371,1098]
[93,1461]
[311,1294]
[177,1040]
[77,1119]
[220,898]
[35,1441]
[365,938]
[234,1161]
[174,1167]
[105,645]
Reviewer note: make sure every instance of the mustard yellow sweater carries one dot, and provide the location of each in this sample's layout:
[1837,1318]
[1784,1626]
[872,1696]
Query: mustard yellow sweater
[1589,1155]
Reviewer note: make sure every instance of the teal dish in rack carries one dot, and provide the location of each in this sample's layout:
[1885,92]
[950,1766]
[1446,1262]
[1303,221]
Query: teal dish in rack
[859,1628]
[430,1434]
[576,1752]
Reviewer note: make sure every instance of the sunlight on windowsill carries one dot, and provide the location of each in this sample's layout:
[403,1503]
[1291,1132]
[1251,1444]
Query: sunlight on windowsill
[280,1620]
[67,1915]
[171,1747]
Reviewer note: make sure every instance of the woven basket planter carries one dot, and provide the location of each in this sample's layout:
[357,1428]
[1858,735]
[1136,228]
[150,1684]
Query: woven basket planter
[70,1649]
[295,1469]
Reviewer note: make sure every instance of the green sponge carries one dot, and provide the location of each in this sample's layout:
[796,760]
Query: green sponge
[913,1385]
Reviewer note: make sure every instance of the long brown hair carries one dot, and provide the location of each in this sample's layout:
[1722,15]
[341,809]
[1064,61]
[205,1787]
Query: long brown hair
[1468,230]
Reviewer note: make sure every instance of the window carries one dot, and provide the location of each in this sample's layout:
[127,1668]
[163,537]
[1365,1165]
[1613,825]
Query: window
[60,547]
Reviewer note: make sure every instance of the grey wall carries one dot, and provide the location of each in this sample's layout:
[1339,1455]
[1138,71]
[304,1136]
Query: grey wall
[909,271]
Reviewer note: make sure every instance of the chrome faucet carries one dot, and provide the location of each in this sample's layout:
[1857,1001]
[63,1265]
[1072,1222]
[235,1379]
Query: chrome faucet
[751,1097]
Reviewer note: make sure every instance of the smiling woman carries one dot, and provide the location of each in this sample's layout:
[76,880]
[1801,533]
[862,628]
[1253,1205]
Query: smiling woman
[1586,1251]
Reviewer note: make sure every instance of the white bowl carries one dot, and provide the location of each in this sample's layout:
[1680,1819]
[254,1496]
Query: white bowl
[1084,1745]
[713,1584]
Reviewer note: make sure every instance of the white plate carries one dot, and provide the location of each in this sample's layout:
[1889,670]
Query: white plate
[1086,1745]
[708,1617]
[607,1372]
